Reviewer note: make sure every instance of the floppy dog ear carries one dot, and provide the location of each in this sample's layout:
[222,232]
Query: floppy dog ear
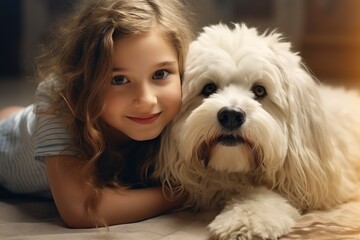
[308,177]
[168,164]
[167,155]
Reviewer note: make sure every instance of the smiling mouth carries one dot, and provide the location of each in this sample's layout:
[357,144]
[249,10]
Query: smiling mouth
[229,140]
[145,119]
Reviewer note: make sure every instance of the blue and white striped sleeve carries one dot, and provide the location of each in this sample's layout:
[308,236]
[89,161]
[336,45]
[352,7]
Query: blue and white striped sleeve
[51,135]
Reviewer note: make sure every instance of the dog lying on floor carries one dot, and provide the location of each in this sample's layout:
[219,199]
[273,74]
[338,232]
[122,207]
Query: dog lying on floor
[257,137]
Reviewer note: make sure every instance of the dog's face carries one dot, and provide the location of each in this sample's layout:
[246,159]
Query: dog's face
[239,101]
[250,113]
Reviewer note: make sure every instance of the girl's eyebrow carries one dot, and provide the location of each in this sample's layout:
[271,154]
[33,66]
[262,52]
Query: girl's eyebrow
[166,63]
[161,64]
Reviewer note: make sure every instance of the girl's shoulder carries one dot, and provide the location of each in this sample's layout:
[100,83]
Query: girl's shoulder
[47,93]
[49,86]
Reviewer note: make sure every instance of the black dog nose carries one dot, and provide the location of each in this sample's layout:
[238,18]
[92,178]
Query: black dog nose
[231,118]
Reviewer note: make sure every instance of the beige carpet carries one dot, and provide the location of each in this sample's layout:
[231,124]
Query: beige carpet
[33,218]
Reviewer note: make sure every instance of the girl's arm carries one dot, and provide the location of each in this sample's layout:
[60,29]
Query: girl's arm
[6,112]
[70,191]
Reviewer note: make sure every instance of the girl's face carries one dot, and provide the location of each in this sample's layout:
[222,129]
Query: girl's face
[145,91]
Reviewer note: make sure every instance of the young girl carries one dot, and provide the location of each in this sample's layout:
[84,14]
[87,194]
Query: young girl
[112,82]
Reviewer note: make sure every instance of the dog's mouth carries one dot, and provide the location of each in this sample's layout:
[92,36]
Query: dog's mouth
[229,140]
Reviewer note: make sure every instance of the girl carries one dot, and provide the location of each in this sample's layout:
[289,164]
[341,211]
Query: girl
[111,85]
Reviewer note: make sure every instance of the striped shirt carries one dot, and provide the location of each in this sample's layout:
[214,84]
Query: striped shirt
[26,138]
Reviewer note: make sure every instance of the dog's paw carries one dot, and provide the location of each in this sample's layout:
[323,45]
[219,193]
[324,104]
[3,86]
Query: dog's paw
[230,227]
[225,227]
[263,216]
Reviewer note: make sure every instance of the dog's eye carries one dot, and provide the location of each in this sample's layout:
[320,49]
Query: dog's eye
[259,91]
[209,89]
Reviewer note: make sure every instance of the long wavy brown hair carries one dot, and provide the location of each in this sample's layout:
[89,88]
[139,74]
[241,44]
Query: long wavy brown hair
[79,56]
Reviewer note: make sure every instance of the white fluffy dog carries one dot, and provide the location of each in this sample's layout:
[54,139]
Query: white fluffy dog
[257,137]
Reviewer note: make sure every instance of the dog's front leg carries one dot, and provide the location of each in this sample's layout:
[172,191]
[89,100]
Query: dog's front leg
[258,214]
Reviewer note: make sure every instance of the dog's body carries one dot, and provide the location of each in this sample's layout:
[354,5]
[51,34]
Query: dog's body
[257,137]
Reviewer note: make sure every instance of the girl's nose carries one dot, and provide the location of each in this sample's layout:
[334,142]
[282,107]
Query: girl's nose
[144,96]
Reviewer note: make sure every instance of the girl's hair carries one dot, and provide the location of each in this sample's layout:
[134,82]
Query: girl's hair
[80,58]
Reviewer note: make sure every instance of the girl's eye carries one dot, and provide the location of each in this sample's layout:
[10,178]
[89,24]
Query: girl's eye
[160,74]
[119,80]
[209,89]
[259,91]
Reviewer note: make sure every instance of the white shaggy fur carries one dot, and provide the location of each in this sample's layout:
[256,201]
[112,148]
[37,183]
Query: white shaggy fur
[285,144]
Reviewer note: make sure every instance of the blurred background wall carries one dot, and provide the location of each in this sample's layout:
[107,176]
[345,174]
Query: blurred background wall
[325,32]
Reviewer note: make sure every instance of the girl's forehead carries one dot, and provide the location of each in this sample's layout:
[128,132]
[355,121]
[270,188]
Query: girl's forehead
[143,48]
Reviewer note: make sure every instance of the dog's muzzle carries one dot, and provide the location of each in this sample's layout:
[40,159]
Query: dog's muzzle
[230,119]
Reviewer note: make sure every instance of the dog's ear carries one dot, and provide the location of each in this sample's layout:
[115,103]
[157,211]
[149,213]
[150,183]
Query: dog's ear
[309,160]
[164,164]
[168,164]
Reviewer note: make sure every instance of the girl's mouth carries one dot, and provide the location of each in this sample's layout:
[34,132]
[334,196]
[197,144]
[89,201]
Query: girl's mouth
[148,119]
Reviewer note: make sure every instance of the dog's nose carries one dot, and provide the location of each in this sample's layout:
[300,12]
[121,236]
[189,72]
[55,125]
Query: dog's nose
[231,117]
